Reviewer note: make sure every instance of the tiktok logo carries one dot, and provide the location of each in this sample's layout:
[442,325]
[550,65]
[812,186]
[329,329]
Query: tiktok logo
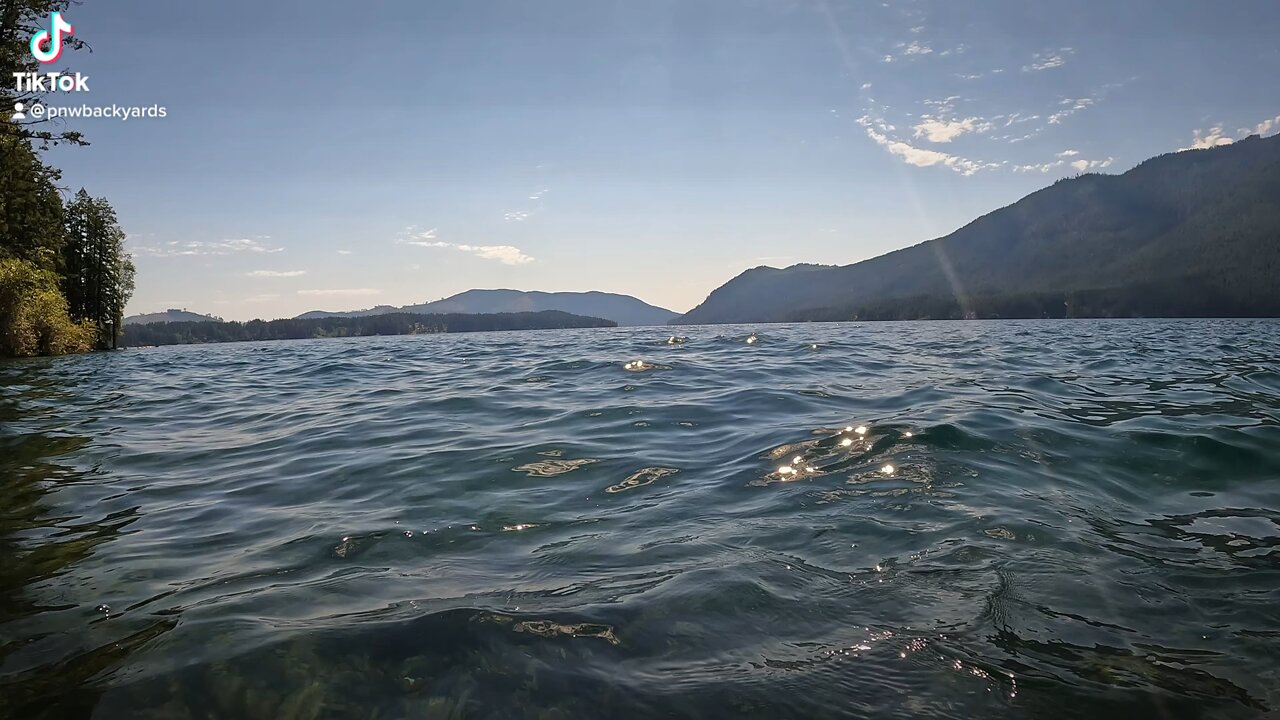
[46,45]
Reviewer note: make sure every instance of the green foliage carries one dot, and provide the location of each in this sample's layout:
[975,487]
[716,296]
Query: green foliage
[185,333]
[33,314]
[98,275]
[30,206]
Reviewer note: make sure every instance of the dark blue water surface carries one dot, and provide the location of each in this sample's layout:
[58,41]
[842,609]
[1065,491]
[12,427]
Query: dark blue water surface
[944,520]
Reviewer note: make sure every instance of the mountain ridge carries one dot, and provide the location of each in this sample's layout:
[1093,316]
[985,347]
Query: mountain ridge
[1207,220]
[625,310]
[170,315]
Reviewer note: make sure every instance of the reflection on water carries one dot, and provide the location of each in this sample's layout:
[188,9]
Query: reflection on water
[990,519]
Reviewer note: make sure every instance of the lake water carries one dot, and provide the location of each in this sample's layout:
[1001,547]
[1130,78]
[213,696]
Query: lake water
[944,520]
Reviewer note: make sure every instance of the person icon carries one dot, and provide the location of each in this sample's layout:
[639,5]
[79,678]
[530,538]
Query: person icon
[18,113]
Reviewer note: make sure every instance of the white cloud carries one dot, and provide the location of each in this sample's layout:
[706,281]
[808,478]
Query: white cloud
[1048,63]
[416,238]
[1216,136]
[1042,167]
[268,297]
[1081,165]
[233,246]
[866,86]
[248,245]
[944,131]
[276,273]
[920,157]
[1068,153]
[1205,139]
[915,48]
[344,252]
[515,216]
[945,105]
[1018,117]
[1047,60]
[505,254]
[343,292]
[1073,106]
[1266,126]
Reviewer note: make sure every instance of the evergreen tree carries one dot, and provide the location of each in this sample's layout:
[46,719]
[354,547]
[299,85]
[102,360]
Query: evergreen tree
[98,277]
[30,205]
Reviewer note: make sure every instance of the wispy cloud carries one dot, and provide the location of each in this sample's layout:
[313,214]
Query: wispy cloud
[1048,60]
[341,292]
[233,246]
[1265,127]
[914,48]
[1081,165]
[521,215]
[878,131]
[418,238]
[276,273]
[1213,137]
[505,254]
[1072,106]
[983,136]
[268,297]
[1217,136]
[344,252]
[939,130]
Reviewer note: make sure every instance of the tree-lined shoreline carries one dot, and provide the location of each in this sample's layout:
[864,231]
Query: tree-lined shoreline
[194,333]
[65,276]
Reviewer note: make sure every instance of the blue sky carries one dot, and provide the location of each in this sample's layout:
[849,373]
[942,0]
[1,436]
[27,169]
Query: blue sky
[322,155]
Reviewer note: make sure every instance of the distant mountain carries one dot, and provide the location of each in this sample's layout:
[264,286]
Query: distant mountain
[1194,234]
[169,316]
[377,310]
[622,309]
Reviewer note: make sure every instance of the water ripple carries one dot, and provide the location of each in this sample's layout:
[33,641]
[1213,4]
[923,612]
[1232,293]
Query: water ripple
[1008,519]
